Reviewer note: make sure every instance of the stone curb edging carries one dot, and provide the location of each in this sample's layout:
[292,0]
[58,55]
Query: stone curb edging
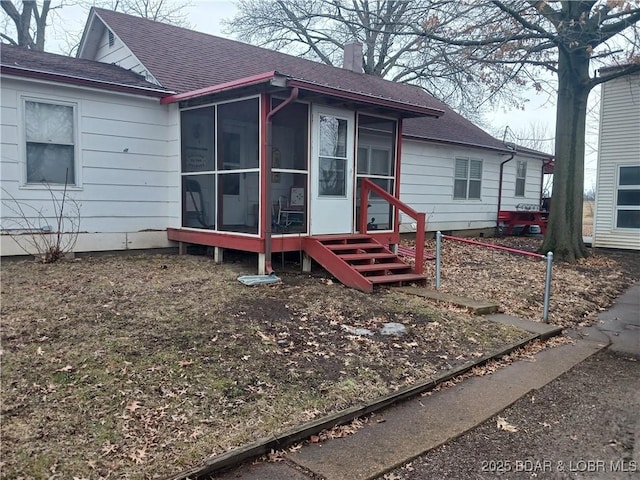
[296,434]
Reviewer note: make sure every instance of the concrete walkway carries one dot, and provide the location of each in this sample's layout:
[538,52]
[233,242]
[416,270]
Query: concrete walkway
[416,426]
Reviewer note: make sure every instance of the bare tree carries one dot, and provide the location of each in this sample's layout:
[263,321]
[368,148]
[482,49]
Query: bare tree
[535,136]
[28,27]
[165,11]
[392,45]
[29,24]
[516,40]
[47,233]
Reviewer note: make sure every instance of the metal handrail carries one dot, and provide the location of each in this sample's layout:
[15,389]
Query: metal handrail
[548,258]
[367,186]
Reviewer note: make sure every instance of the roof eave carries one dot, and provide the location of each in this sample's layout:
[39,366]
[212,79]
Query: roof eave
[80,81]
[86,33]
[223,87]
[407,108]
[504,150]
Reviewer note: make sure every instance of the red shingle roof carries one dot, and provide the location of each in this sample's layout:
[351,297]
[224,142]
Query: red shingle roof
[30,63]
[184,60]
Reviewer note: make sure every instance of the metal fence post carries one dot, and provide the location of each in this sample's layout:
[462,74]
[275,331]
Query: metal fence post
[438,247]
[547,287]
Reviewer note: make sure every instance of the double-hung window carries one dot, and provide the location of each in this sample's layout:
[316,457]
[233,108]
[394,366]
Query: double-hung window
[50,143]
[468,179]
[628,197]
[521,178]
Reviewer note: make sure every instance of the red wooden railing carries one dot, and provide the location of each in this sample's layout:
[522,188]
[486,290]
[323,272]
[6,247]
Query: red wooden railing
[367,186]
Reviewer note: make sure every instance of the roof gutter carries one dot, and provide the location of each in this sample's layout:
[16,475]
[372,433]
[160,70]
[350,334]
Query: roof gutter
[120,87]
[269,161]
[513,154]
[417,110]
[222,87]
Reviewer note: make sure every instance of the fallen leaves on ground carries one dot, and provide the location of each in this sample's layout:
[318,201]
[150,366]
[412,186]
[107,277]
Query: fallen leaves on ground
[116,368]
[502,424]
[579,291]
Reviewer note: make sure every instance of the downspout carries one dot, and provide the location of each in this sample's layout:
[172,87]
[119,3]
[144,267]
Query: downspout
[513,154]
[267,194]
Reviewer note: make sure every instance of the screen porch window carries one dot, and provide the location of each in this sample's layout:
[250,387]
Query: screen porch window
[50,143]
[468,179]
[221,166]
[333,156]
[290,168]
[628,197]
[376,161]
[521,178]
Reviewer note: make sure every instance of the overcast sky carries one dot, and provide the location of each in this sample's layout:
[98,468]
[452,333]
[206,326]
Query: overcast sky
[205,16]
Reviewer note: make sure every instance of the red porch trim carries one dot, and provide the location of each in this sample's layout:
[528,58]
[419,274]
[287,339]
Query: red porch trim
[280,243]
[265,210]
[365,98]
[242,82]
[396,187]
[216,239]
[420,218]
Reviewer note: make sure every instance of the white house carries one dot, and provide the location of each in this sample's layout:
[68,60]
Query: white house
[617,215]
[103,125]
[170,135]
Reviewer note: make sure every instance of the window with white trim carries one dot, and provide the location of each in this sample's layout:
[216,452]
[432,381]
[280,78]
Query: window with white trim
[628,197]
[50,142]
[521,178]
[467,183]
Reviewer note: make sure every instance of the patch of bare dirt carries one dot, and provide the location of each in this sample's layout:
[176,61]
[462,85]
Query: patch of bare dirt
[141,366]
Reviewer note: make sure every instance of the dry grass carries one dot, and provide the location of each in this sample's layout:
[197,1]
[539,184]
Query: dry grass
[588,210]
[578,291]
[137,367]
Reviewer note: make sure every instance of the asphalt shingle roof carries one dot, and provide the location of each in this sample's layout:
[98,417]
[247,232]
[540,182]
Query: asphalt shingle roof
[185,60]
[29,62]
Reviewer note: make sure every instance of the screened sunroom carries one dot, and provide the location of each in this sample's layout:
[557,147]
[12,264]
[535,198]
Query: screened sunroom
[266,169]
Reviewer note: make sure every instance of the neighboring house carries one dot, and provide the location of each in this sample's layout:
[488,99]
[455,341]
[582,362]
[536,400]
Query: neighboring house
[170,133]
[617,215]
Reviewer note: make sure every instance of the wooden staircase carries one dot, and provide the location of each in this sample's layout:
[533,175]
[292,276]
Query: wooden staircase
[359,261]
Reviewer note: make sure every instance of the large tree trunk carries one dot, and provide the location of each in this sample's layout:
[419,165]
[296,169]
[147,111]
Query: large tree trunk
[564,231]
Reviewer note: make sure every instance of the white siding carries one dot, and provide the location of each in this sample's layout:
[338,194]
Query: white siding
[119,54]
[427,186]
[619,144]
[128,165]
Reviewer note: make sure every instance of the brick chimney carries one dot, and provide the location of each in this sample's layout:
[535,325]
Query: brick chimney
[353,57]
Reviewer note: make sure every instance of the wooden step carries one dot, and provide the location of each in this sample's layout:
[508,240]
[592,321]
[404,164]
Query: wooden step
[359,261]
[354,246]
[341,238]
[350,257]
[372,267]
[397,278]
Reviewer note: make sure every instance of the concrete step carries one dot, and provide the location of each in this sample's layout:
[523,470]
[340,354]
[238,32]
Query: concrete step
[474,306]
[396,278]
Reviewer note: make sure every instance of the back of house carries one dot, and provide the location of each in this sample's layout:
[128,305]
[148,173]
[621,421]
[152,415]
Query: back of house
[163,134]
